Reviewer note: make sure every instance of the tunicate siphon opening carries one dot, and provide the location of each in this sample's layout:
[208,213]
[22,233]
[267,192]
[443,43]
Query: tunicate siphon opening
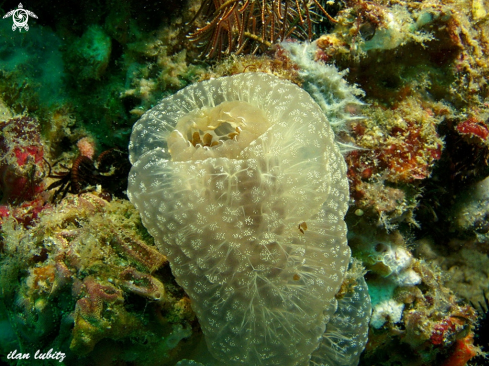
[220,131]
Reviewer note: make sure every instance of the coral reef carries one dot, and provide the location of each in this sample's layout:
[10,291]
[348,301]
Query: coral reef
[85,275]
[79,274]
[21,160]
[399,147]
[435,326]
[412,310]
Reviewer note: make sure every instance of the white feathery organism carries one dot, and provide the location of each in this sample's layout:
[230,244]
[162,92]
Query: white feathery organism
[243,187]
[327,86]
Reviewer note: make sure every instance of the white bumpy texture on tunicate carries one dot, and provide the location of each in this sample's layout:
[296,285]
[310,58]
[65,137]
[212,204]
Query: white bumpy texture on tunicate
[224,173]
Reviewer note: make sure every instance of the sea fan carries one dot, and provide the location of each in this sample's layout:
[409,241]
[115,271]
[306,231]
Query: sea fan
[254,25]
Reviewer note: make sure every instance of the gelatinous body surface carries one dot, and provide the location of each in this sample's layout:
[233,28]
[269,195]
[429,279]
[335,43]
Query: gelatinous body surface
[224,174]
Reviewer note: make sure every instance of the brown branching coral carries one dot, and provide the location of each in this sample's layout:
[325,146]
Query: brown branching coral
[254,25]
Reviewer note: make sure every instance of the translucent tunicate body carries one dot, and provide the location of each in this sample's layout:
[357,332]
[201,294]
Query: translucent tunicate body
[241,184]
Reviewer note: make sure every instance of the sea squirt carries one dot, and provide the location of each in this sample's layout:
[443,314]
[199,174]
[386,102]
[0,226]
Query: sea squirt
[244,189]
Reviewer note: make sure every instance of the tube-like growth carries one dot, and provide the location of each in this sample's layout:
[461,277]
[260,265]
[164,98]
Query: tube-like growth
[244,189]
